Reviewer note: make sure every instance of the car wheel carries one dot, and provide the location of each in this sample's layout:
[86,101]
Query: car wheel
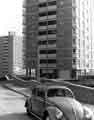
[28,110]
[47,117]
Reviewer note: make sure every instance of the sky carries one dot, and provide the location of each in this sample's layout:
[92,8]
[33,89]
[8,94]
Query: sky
[10,16]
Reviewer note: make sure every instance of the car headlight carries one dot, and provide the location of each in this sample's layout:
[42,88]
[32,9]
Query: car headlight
[87,113]
[59,114]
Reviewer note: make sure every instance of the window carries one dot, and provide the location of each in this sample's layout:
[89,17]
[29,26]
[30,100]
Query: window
[74,50]
[74,61]
[50,61]
[42,14]
[47,52]
[56,93]
[74,41]
[73,29]
[42,42]
[42,32]
[43,23]
[43,61]
[51,41]
[51,51]
[51,3]
[52,22]
[51,12]
[42,4]
[43,51]
[51,31]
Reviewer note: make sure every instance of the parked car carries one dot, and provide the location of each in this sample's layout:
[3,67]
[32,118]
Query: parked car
[8,77]
[56,102]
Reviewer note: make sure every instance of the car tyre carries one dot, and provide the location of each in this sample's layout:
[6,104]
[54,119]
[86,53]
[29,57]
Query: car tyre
[47,117]
[28,110]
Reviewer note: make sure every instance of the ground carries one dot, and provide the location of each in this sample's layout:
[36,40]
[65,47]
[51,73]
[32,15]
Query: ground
[12,99]
[12,106]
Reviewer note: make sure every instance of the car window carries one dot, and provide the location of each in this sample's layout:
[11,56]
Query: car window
[68,93]
[59,93]
[41,93]
[56,92]
[34,91]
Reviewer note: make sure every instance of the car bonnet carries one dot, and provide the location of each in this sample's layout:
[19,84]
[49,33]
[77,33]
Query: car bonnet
[71,107]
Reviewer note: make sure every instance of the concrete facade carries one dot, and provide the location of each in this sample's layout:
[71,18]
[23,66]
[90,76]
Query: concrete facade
[56,34]
[6,54]
[18,65]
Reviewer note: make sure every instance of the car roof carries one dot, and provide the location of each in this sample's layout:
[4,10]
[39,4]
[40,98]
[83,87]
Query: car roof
[48,85]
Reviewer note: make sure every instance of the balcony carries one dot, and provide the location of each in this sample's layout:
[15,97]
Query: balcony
[42,56]
[43,9]
[41,1]
[43,65]
[43,18]
[51,16]
[43,37]
[51,55]
[42,27]
[52,26]
[51,8]
[47,65]
[52,36]
[45,56]
[47,46]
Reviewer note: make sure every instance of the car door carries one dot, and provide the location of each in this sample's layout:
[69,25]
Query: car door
[39,102]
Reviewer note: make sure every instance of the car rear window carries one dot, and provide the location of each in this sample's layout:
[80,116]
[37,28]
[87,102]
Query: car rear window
[59,93]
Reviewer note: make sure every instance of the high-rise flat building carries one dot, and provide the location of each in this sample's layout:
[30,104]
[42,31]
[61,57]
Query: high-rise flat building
[18,55]
[57,36]
[6,54]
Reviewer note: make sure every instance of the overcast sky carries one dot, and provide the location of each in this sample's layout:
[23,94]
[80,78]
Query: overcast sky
[10,16]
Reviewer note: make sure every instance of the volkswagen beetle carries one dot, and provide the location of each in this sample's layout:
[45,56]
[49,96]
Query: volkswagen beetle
[56,102]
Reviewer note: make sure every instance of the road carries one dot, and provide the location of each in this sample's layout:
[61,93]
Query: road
[12,106]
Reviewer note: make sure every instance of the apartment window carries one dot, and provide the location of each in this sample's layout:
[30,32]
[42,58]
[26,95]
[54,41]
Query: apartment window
[50,61]
[42,42]
[44,23]
[51,31]
[43,61]
[74,41]
[73,29]
[43,4]
[43,51]
[73,20]
[51,12]
[51,3]
[42,32]
[42,14]
[74,61]
[52,22]
[74,50]
[51,41]
[47,51]
[51,51]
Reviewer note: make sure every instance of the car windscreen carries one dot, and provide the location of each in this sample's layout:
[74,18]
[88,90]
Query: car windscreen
[58,92]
